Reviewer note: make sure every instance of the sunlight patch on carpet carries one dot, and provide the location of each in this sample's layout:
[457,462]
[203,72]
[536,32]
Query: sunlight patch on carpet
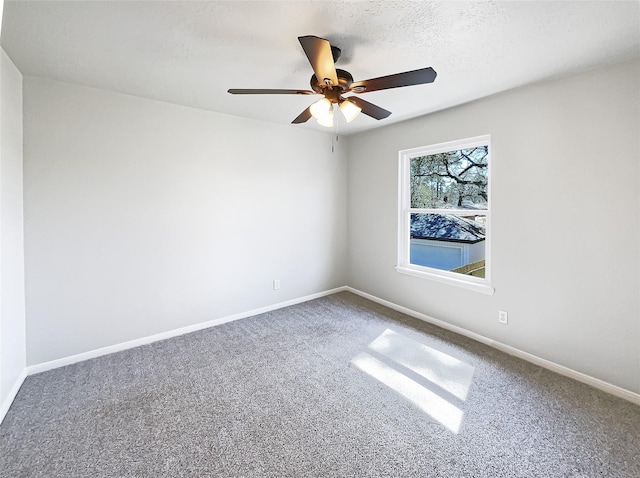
[442,369]
[429,402]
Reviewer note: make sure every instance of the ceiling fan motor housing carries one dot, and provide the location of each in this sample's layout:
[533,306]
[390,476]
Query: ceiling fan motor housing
[344,82]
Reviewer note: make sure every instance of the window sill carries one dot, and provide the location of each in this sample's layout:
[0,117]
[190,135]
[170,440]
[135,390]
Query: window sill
[465,284]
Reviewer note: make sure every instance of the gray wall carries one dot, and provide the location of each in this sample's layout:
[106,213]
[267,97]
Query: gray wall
[142,217]
[12,311]
[565,209]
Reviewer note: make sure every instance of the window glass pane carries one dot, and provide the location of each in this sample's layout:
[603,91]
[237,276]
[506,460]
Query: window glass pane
[450,180]
[449,242]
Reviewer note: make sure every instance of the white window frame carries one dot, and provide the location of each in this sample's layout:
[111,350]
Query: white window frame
[404,266]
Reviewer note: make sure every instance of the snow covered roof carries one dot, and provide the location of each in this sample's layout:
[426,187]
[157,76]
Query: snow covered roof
[446,227]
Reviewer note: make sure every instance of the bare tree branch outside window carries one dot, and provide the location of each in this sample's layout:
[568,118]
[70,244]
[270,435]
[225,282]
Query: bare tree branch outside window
[450,180]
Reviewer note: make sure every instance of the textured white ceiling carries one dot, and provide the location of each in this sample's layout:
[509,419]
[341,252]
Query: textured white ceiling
[190,53]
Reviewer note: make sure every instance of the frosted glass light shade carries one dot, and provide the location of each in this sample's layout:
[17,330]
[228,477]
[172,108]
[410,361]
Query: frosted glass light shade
[320,109]
[349,110]
[327,119]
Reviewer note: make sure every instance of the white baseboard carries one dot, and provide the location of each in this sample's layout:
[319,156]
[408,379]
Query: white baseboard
[560,369]
[4,407]
[61,362]
[554,367]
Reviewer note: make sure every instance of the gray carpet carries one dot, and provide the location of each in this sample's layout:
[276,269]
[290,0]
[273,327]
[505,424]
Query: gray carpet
[335,387]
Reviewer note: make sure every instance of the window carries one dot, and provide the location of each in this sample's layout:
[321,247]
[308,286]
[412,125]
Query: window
[444,214]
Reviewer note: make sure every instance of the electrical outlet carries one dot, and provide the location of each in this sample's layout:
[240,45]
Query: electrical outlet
[503,317]
[276,284]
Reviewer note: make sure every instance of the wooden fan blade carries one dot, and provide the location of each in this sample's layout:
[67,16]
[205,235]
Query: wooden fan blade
[303,117]
[408,78]
[270,92]
[318,51]
[369,108]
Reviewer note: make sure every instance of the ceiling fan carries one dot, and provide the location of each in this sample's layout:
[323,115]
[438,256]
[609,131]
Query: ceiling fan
[332,83]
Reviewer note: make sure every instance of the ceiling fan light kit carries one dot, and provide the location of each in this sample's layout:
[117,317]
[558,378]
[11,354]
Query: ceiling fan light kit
[322,111]
[332,83]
